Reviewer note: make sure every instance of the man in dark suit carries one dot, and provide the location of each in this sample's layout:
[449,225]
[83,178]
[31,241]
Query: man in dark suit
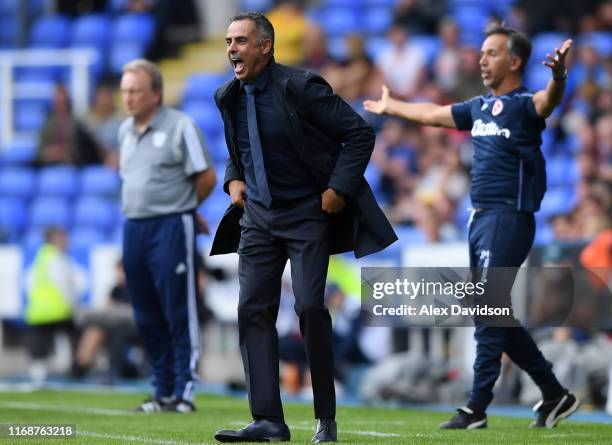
[295,176]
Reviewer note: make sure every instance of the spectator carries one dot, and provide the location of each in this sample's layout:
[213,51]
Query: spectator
[54,286]
[64,139]
[290,28]
[419,16]
[448,62]
[104,120]
[403,64]
[469,82]
[112,326]
[357,77]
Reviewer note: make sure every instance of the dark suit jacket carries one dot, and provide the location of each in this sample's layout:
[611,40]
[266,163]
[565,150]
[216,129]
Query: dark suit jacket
[332,141]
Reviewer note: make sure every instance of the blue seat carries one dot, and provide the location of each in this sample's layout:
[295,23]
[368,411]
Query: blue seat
[117,6]
[537,77]
[49,211]
[30,115]
[50,32]
[218,150]
[122,53]
[214,207]
[342,3]
[340,21]
[557,200]
[337,47]
[31,242]
[19,153]
[9,31]
[377,20]
[561,171]
[206,116]
[96,213]
[410,236]
[202,86]
[544,43]
[375,46]
[12,217]
[600,40]
[18,182]
[133,28]
[256,5]
[387,3]
[85,238]
[429,45]
[59,181]
[91,30]
[99,180]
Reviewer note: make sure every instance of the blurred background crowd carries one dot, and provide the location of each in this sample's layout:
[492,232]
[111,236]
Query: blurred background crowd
[59,186]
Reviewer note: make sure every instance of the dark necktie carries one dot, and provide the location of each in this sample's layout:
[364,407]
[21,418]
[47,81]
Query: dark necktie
[256,152]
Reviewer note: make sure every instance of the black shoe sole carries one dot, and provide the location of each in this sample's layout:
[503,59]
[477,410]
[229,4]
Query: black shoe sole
[226,438]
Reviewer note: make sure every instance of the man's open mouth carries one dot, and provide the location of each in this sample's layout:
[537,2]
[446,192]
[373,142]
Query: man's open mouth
[237,63]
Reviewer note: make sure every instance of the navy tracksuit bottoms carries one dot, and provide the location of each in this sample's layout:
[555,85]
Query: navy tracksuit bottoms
[503,238]
[159,263]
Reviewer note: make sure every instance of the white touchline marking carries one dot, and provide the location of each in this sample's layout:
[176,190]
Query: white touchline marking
[293,426]
[67,409]
[133,438]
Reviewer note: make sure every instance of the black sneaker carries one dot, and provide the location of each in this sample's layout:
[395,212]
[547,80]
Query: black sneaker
[153,405]
[466,419]
[179,406]
[549,414]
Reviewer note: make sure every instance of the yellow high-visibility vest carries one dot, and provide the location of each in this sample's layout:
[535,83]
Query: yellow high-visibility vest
[46,302]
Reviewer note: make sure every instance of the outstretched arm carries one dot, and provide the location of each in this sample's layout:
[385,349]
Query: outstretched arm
[547,99]
[421,113]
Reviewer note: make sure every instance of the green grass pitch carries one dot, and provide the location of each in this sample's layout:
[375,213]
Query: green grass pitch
[106,418]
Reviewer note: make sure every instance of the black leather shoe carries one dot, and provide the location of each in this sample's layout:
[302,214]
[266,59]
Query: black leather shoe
[327,431]
[261,430]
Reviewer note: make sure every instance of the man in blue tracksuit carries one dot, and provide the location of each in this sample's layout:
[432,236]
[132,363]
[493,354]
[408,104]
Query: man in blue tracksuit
[166,172]
[508,184]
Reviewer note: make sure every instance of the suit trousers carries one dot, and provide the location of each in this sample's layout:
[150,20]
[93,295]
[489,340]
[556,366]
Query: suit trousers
[298,232]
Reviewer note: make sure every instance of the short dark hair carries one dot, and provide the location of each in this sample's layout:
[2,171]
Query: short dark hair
[518,44]
[264,28]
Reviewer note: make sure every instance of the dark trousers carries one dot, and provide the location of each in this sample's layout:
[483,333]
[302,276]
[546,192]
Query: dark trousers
[502,239]
[300,233]
[159,263]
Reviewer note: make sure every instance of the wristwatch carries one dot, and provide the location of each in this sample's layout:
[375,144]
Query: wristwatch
[561,77]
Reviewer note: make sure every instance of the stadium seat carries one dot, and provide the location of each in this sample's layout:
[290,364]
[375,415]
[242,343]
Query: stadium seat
[342,3]
[12,217]
[386,3]
[202,86]
[99,180]
[95,213]
[544,43]
[214,207]
[50,32]
[133,28]
[9,31]
[375,46]
[429,45]
[410,235]
[340,21]
[218,150]
[256,5]
[601,41]
[49,211]
[206,116]
[85,238]
[337,48]
[30,242]
[562,170]
[91,30]
[18,182]
[122,53]
[559,199]
[61,181]
[18,153]
[30,115]
[377,20]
